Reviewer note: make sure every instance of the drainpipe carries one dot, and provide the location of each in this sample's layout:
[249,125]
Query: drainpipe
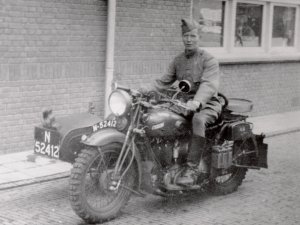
[110,45]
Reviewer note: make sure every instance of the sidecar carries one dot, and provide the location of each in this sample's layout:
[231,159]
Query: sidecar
[60,138]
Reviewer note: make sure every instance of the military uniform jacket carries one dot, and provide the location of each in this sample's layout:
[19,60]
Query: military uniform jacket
[198,67]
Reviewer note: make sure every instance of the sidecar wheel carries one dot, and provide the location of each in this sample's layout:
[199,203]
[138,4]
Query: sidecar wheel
[89,188]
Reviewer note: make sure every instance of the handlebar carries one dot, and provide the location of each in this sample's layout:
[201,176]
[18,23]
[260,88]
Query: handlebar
[164,98]
[183,105]
[182,108]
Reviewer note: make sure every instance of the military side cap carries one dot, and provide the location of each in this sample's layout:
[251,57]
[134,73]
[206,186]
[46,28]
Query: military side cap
[189,25]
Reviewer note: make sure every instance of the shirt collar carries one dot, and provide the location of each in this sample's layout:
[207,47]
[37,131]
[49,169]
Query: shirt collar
[190,53]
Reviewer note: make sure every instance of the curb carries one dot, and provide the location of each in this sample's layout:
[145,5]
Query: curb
[21,183]
[282,132]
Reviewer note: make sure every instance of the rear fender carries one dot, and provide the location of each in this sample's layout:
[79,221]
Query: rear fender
[261,159]
[259,156]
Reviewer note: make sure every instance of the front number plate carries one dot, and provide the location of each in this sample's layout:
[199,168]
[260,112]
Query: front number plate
[46,142]
[104,124]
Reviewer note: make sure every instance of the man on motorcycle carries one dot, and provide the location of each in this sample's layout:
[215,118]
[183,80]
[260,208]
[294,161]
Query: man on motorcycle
[202,70]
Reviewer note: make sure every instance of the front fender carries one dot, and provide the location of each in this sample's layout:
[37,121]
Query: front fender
[109,135]
[104,137]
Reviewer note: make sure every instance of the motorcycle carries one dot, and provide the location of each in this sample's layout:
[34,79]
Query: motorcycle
[142,148]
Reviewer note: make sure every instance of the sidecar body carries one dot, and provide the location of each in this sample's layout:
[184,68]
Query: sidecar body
[63,141]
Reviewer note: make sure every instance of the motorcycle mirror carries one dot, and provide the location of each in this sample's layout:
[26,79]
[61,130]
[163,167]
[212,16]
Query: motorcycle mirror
[185,86]
[114,85]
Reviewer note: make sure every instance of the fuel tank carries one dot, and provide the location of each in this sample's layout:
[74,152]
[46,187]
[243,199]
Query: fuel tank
[164,123]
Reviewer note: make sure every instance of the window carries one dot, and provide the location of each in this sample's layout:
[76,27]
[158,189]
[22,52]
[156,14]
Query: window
[248,25]
[210,16]
[249,30]
[283,26]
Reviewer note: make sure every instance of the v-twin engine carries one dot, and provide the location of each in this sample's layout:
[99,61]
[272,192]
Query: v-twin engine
[169,152]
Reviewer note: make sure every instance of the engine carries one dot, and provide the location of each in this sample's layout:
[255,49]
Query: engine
[163,151]
[167,152]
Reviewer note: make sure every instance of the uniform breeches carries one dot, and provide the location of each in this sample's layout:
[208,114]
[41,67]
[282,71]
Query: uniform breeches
[206,116]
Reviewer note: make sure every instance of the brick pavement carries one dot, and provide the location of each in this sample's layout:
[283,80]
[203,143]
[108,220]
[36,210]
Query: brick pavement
[266,197]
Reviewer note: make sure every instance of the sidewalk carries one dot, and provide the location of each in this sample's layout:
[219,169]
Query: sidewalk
[276,124]
[23,168]
[18,169]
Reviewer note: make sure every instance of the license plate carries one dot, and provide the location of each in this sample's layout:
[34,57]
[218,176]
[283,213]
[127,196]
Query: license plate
[46,142]
[104,124]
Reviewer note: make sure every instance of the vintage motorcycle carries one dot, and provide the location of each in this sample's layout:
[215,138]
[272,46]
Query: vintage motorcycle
[142,148]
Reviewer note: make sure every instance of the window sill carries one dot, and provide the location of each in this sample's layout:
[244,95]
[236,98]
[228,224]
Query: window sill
[247,58]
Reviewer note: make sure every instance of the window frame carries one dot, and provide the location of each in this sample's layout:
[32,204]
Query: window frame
[280,49]
[266,52]
[222,49]
[258,49]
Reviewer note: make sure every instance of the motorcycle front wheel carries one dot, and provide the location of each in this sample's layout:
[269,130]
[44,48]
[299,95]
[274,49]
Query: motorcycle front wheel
[91,195]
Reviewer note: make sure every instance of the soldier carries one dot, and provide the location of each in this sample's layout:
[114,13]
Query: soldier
[202,70]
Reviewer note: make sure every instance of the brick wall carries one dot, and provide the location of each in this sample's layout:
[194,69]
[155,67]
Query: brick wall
[273,87]
[148,35]
[52,54]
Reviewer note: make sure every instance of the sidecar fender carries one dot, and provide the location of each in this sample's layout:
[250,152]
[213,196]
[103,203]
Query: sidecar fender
[103,137]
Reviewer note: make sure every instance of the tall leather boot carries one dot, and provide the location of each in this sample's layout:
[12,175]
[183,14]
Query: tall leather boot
[196,149]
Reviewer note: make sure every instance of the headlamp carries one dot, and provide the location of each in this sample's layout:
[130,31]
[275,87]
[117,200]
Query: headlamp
[119,102]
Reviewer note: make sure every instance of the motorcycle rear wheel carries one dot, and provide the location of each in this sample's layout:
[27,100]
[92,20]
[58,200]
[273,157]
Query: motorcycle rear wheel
[89,192]
[230,184]
[223,185]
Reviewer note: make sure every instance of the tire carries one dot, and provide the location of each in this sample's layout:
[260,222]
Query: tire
[89,167]
[234,178]
[231,184]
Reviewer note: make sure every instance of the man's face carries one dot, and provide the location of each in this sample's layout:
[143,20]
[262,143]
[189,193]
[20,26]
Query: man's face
[191,39]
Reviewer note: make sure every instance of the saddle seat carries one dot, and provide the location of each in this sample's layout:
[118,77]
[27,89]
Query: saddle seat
[233,111]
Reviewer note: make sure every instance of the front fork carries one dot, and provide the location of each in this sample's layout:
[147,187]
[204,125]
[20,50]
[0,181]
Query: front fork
[129,145]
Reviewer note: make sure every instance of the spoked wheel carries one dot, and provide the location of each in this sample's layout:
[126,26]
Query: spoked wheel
[94,195]
[230,181]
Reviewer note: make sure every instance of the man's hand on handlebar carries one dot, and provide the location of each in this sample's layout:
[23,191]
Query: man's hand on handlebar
[143,90]
[194,105]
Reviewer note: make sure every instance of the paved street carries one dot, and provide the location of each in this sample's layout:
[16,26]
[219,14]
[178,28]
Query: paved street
[266,197]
